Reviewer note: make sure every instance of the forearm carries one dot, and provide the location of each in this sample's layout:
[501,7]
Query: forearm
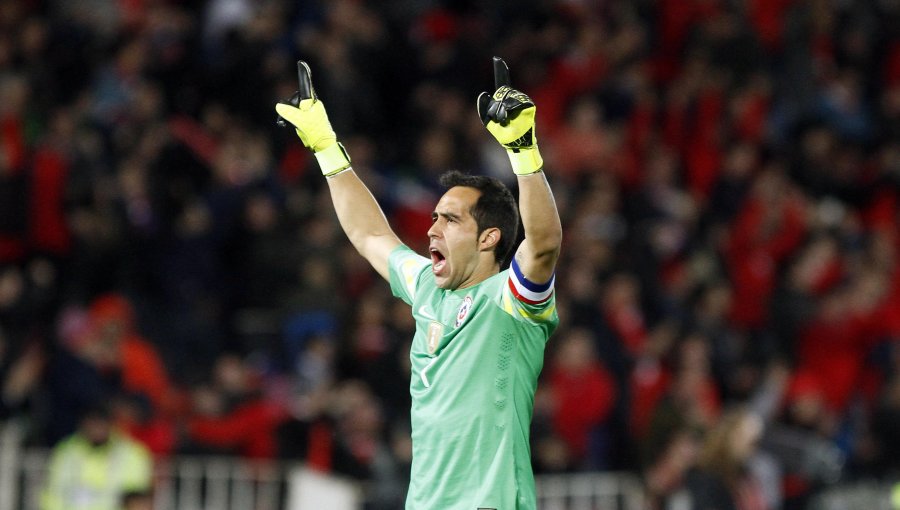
[543,230]
[362,219]
[509,115]
[358,212]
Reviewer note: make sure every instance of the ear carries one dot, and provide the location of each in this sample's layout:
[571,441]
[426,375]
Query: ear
[489,238]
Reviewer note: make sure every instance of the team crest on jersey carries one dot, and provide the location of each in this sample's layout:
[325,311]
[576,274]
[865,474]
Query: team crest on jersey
[463,310]
[435,332]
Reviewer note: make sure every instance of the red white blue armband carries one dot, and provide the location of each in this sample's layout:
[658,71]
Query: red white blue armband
[527,291]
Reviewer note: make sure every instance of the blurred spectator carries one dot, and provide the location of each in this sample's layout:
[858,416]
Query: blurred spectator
[345,432]
[580,394]
[693,391]
[815,268]
[117,345]
[650,379]
[268,253]
[103,350]
[95,467]
[730,474]
[732,352]
[768,227]
[21,371]
[885,423]
[669,453]
[845,329]
[362,448]
[232,415]
[620,306]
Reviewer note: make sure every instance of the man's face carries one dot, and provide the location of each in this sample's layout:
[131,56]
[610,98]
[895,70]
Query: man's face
[453,239]
[96,429]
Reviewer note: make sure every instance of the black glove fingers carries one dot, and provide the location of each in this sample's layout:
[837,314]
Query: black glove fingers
[304,78]
[501,73]
[293,101]
[502,114]
[305,90]
[516,100]
[484,101]
[493,111]
[506,102]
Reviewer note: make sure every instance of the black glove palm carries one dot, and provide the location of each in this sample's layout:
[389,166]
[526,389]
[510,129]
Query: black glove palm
[509,115]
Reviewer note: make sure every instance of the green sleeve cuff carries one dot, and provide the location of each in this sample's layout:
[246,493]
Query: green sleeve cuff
[333,159]
[526,161]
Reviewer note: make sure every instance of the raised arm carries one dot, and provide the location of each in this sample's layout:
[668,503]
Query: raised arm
[509,115]
[357,210]
[539,251]
[362,220]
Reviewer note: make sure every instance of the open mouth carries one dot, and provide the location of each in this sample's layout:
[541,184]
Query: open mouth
[438,261]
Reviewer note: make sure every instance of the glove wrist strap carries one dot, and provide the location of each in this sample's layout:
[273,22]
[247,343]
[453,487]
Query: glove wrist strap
[333,159]
[525,161]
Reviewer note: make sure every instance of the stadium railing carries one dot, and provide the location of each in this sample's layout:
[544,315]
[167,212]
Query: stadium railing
[230,483]
[227,483]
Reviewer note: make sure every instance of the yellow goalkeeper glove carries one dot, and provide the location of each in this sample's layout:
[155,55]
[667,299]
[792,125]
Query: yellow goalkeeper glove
[307,114]
[508,114]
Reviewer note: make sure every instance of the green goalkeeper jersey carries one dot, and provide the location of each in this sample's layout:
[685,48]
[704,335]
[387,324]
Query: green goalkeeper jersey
[475,357]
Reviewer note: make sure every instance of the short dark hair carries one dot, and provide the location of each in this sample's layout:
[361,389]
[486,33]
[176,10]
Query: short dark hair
[132,496]
[496,207]
[99,409]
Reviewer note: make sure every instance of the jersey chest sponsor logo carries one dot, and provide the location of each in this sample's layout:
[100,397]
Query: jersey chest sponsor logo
[463,311]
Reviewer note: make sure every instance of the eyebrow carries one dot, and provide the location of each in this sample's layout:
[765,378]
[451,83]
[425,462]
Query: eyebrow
[448,215]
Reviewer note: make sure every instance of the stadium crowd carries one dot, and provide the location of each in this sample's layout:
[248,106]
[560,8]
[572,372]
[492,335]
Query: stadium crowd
[727,173]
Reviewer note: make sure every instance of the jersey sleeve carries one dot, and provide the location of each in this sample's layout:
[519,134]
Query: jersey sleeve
[406,270]
[526,300]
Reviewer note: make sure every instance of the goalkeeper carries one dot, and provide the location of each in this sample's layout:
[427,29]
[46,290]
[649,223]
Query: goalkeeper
[480,330]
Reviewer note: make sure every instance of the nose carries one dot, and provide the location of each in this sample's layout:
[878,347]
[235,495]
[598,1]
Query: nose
[434,230]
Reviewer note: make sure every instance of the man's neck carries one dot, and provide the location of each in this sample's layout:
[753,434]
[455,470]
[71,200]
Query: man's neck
[482,273]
